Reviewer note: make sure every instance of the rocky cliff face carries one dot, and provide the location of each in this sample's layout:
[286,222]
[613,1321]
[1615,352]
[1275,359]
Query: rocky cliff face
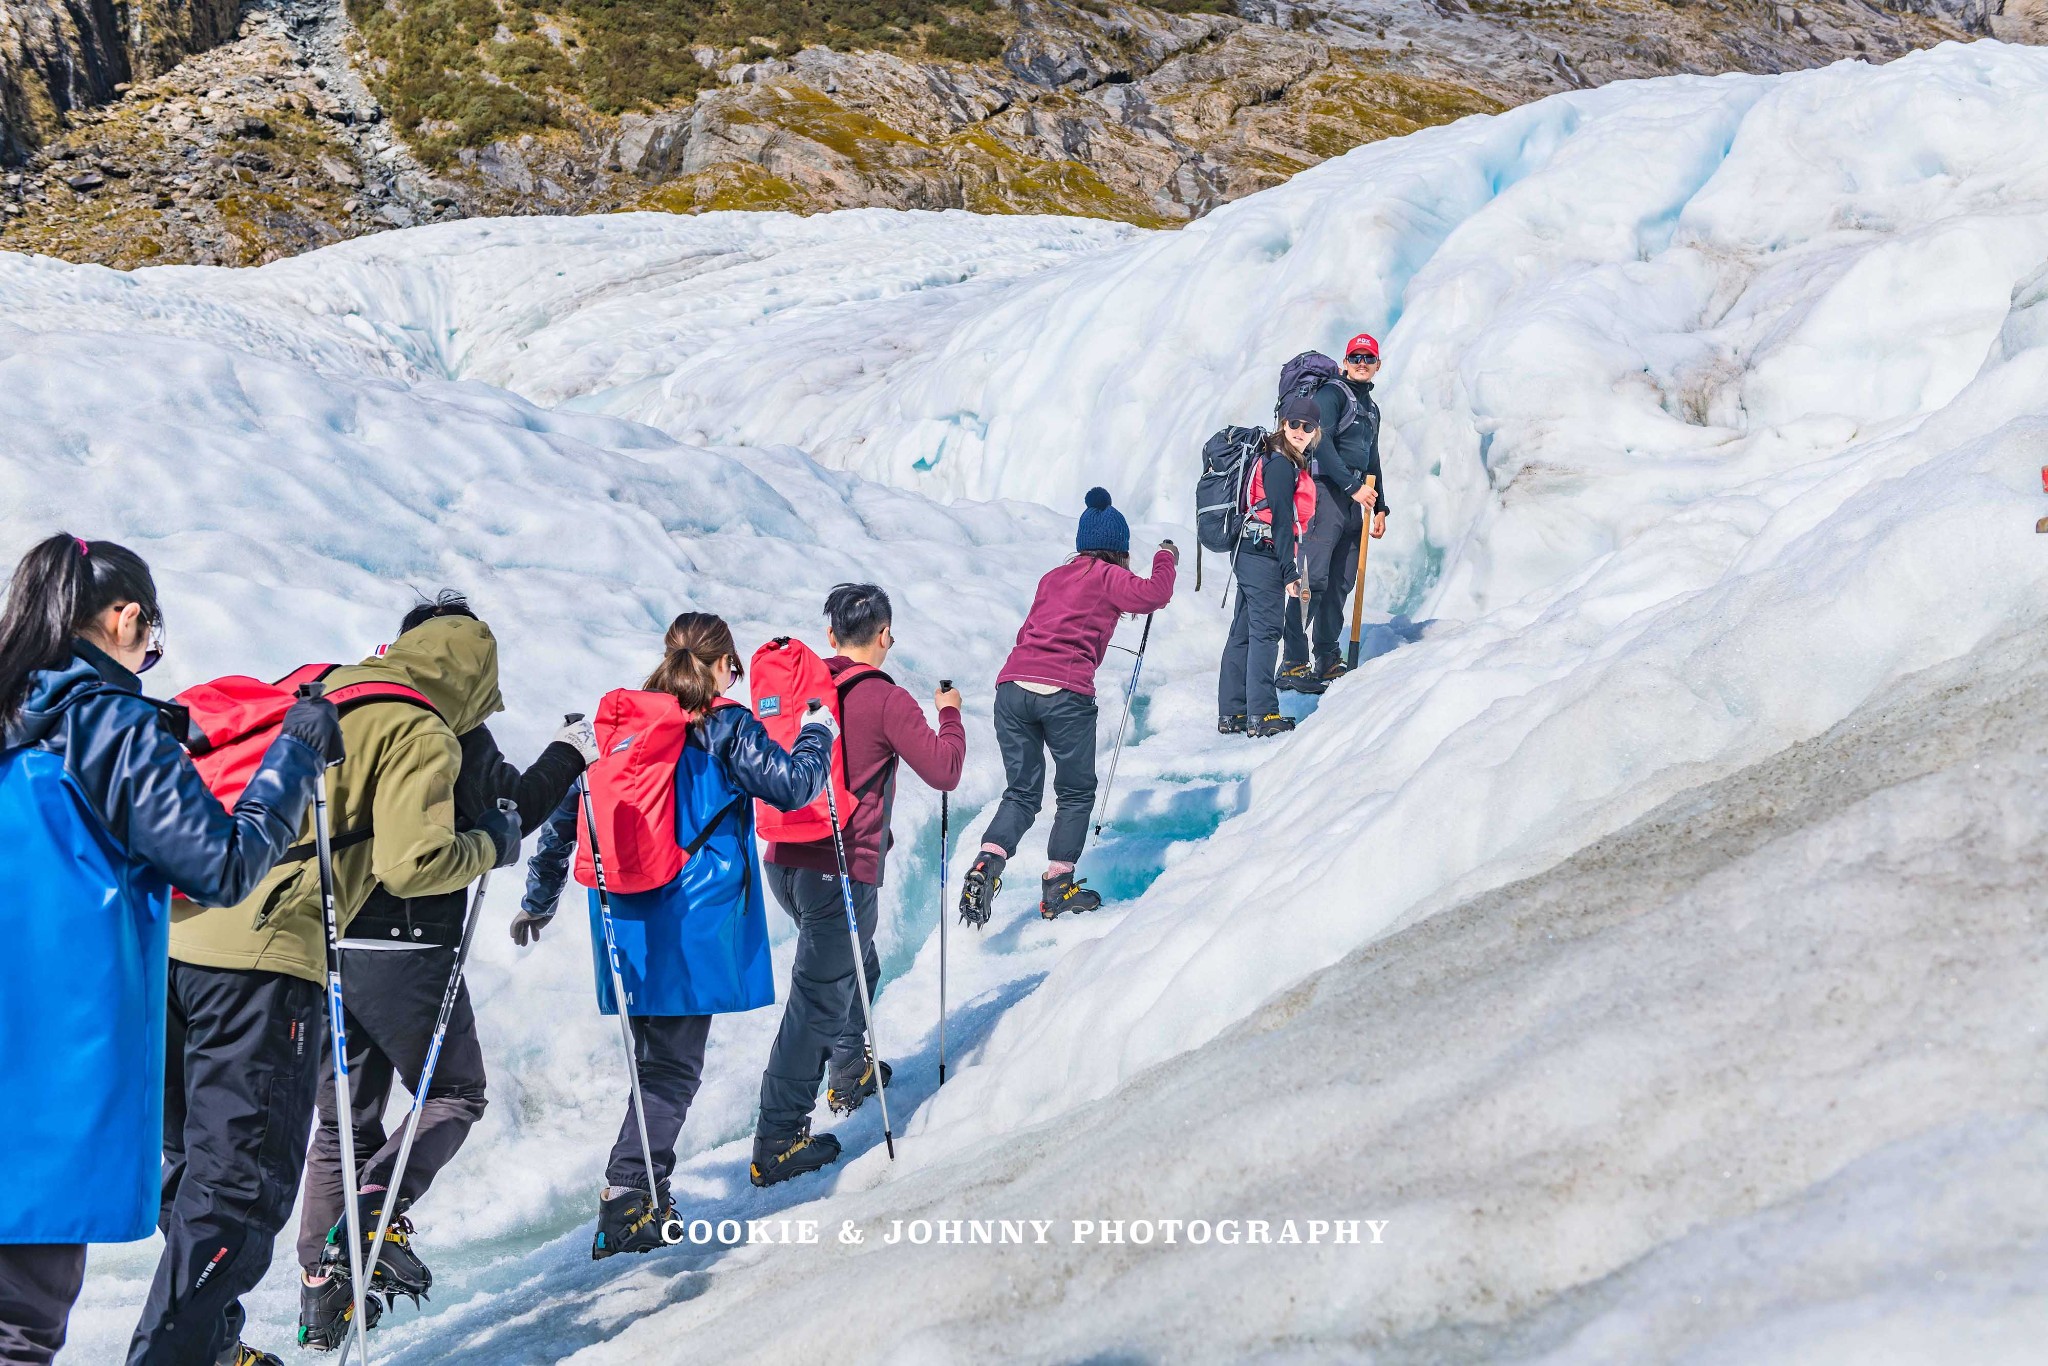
[60,58]
[279,140]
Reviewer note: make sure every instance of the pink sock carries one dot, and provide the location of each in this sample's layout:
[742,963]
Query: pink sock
[995,849]
[1057,869]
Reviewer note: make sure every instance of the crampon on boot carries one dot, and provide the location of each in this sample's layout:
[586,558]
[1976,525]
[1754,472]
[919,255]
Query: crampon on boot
[1300,678]
[1332,669]
[1231,725]
[399,1269]
[845,1094]
[629,1223]
[326,1314]
[978,890]
[245,1355]
[1061,895]
[780,1159]
[1266,726]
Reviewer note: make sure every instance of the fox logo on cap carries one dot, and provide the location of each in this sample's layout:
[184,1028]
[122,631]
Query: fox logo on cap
[1362,343]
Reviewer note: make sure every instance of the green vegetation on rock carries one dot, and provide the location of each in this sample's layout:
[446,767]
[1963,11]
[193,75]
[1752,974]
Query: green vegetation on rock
[461,73]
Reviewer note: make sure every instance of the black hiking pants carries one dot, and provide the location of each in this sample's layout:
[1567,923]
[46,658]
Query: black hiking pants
[823,1021]
[670,1053]
[1027,725]
[1244,683]
[39,1282]
[1330,550]
[242,1058]
[392,996]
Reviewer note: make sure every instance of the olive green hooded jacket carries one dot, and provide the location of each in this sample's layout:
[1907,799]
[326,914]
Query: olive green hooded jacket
[398,778]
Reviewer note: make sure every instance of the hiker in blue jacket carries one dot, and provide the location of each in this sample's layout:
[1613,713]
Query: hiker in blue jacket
[101,814]
[699,945]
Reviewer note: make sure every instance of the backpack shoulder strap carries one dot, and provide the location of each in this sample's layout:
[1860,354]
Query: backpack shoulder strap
[352,695]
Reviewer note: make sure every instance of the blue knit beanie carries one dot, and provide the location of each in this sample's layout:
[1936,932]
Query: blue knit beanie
[1102,526]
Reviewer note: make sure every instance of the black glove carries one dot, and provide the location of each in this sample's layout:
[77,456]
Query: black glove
[503,828]
[314,722]
[526,928]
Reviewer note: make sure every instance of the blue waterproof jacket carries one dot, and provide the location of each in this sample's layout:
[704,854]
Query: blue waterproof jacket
[698,946]
[101,814]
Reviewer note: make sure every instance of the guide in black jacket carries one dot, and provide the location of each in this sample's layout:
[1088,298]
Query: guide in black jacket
[398,954]
[1343,502]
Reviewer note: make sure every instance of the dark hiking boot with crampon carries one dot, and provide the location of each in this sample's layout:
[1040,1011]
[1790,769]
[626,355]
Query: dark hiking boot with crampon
[629,1223]
[399,1268]
[780,1159]
[327,1313]
[846,1093]
[1266,726]
[1062,895]
[1300,678]
[978,890]
[1231,725]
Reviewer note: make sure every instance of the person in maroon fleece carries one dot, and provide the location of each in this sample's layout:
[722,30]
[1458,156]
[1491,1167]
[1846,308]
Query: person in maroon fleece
[881,725]
[1045,700]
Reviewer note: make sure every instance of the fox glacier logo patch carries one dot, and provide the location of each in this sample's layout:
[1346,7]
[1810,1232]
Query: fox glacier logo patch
[771,706]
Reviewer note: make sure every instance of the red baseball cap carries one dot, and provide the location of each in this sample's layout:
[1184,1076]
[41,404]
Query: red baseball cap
[1362,342]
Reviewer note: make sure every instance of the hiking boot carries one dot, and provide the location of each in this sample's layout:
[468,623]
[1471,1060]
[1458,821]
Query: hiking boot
[1300,678]
[1058,896]
[779,1160]
[326,1312]
[399,1269]
[1231,725]
[1332,669]
[978,891]
[628,1223]
[844,1095]
[1275,724]
[245,1355]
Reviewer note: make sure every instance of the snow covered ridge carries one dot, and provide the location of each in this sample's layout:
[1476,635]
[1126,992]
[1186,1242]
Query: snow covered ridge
[1714,411]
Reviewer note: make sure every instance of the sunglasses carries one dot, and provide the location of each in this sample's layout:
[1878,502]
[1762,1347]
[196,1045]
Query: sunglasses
[153,653]
[1362,358]
[1295,424]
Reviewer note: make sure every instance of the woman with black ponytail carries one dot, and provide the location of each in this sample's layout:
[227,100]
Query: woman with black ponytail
[101,814]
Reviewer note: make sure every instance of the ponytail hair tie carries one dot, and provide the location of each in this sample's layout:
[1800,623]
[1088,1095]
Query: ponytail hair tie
[83,548]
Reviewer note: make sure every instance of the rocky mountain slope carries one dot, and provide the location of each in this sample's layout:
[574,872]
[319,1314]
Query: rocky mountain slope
[316,123]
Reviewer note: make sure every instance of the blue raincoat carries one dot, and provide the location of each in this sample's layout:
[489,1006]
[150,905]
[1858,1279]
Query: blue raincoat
[698,946]
[100,813]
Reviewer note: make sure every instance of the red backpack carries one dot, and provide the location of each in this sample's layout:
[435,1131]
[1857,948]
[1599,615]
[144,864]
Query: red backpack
[231,721]
[785,676]
[632,786]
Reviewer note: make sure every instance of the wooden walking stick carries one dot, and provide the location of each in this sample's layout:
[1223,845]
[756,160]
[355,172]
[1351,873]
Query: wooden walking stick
[1358,591]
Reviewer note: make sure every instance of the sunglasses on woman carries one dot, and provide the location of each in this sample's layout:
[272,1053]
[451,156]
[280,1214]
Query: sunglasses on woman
[153,653]
[1295,424]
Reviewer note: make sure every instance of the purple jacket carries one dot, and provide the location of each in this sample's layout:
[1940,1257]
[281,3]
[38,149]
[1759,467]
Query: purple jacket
[1066,634]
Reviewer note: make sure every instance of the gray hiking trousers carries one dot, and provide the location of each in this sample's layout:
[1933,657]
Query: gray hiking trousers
[823,1021]
[392,996]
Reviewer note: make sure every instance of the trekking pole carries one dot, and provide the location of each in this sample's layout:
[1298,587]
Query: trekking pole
[611,953]
[944,684]
[860,968]
[1130,692]
[1198,564]
[426,1077]
[1358,593]
[344,1107]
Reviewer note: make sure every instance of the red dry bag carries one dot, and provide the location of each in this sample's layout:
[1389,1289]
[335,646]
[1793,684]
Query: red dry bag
[785,676]
[231,722]
[640,738]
